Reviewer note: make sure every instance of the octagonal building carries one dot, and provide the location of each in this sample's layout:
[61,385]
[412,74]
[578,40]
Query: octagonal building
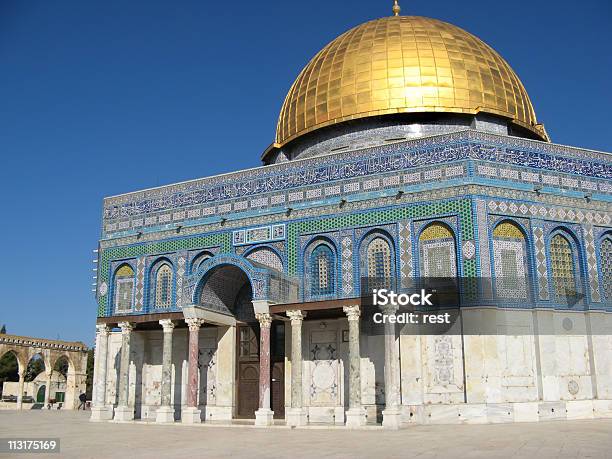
[406,149]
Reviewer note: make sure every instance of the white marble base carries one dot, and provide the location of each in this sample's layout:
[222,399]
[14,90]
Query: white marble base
[164,414]
[191,415]
[324,415]
[296,417]
[552,411]
[218,413]
[124,413]
[264,417]
[579,409]
[602,408]
[526,412]
[101,413]
[392,418]
[356,417]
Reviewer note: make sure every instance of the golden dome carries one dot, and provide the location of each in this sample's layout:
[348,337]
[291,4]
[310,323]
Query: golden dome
[403,64]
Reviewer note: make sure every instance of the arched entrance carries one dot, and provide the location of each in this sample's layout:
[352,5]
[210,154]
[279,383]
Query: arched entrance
[227,289]
[40,395]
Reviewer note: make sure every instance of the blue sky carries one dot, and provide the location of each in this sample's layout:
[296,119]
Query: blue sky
[101,98]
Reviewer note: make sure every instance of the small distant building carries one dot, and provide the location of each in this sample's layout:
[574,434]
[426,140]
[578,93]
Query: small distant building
[35,390]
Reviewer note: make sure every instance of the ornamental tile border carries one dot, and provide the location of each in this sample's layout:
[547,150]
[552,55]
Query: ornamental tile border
[405,250]
[540,259]
[591,261]
[362,163]
[521,198]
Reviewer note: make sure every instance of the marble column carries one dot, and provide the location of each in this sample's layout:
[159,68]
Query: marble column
[191,414]
[21,385]
[391,413]
[124,412]
[165,413]
[356,414]
[296,415]
[264,415]
[48,374]
[100,411]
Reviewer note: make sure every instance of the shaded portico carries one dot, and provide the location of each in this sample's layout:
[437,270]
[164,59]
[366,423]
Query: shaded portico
[227,291]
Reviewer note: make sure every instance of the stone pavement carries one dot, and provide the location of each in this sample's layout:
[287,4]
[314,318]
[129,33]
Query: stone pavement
[83,439]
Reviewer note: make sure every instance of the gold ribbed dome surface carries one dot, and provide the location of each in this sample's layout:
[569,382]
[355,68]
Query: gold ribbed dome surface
[403,64]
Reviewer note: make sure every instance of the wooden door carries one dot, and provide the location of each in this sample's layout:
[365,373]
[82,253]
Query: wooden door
[248,389]
[277,388]
[247,372]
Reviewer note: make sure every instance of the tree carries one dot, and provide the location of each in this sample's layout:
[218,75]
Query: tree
[9,369]
[35,367]
[62,366]
[3,330]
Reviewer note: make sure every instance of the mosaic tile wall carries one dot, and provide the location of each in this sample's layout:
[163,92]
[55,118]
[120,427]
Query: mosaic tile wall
[469,180]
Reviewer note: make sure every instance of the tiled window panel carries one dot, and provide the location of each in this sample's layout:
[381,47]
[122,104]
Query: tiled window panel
[510,274]
[606,267]
[163,287]
[124,288]
[322,270]
[437,246]
[509,258]
[562,267]
[379,258]
[379,263]
[438,259]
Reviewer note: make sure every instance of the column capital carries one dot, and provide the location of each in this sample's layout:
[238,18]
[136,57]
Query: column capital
[167,325]
[126,327]
[264,318]
[194,323]
[389,309]
[102,329]
[296,316]
[352,312]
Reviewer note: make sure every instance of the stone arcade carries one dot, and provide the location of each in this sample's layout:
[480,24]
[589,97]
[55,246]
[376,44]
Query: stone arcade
[25,348]
[406,148]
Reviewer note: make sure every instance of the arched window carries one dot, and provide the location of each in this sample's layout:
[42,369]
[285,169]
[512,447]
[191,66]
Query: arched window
[378,259]
[510,261]
[322,268]
[605,257]
[562,267]
[437,250]
[163,286]
[124,288]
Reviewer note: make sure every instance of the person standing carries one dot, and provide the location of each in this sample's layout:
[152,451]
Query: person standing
[83,399]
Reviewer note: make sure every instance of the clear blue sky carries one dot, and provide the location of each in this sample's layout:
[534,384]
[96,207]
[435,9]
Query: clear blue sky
[101,98]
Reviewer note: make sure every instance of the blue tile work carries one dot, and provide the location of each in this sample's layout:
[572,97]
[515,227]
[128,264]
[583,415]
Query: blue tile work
[468,180]
[415,162]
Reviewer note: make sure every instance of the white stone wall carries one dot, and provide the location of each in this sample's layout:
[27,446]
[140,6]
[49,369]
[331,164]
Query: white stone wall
[540,365]
[216,363]
[529,366]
